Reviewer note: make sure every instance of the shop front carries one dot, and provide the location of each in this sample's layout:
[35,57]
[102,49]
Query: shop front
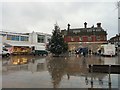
[17,48]
[21,50]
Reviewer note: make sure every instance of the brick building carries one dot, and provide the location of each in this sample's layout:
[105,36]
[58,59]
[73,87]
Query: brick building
[91,37]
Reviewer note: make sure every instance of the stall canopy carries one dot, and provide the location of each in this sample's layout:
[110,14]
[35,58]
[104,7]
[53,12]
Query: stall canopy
[18,44]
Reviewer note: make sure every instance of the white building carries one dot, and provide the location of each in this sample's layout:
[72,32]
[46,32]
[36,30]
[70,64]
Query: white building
[119,17]
[0,44]
[39,40]
[23,42]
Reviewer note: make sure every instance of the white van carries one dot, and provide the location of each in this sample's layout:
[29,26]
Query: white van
[39,50]
[108,49]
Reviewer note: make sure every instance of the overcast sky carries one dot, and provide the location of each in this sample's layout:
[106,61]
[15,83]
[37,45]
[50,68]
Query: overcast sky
[41,16]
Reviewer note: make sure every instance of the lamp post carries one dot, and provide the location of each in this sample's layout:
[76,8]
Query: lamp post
[93,40]
[118,6]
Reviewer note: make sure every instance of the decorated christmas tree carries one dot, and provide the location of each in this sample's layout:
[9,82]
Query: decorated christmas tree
[57,45]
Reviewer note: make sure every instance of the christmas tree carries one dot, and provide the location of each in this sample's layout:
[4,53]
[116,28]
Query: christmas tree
[57,45]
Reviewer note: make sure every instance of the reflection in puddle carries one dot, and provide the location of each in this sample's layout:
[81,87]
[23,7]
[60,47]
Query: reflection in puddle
[63,72]
[57,67]
[20,61]
[25,63]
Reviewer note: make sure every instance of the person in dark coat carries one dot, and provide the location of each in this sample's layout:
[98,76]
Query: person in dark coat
[99,51]
[85,51]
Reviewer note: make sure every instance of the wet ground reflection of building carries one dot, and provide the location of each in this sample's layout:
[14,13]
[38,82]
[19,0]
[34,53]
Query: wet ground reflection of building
[17,63]
[119,74]
[81,70]
[63,71]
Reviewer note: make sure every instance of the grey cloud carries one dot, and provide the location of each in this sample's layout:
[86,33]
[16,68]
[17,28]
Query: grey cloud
[41,16]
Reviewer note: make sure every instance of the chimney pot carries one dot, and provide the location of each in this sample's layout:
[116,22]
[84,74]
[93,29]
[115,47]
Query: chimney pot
[98,24]
[68,26]
[85,25]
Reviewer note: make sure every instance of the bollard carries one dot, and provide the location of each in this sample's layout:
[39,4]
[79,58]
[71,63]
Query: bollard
[86,80]
[109,82]
[91,75]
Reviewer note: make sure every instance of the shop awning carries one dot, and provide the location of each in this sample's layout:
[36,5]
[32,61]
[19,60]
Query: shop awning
[19,44]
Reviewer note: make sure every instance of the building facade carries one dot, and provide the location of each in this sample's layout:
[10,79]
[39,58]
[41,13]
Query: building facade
[23,42]
[119,17]
[115,40]
[91,37]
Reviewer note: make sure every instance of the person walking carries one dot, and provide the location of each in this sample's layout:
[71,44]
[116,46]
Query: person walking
[84,54]
[99,51]
[85,51]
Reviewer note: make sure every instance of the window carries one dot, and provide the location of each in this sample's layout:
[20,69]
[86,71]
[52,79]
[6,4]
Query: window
[72,39]
[80,39]
[89,30]
[48,40]
[93,29]
[24,38]
[98,38]
[41,38]
[17,38]
[9,37]
[89,38]
[13,37]
[105,38]
[76,31]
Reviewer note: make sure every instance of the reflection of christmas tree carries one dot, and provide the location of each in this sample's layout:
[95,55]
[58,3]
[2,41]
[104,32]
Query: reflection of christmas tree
[57,45]
[56,67]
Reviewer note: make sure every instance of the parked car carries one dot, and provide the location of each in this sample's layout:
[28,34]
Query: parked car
[5,52]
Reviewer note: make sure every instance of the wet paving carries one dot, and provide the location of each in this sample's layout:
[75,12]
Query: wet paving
[26,71]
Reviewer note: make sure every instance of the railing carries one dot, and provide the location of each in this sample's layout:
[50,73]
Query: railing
[109,69]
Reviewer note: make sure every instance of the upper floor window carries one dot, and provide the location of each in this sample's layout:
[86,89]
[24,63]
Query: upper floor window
[48,40]
[72,39]
[9,37]
[80,38]
[24,38]
[89,38]
[105,38]
[76,31]
[41,38]
[98,38]
[13,37]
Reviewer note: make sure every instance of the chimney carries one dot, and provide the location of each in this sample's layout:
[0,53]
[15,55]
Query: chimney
[99,25]
[85,25]
[68,26]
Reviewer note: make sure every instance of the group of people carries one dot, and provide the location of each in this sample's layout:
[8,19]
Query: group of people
[86,51]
